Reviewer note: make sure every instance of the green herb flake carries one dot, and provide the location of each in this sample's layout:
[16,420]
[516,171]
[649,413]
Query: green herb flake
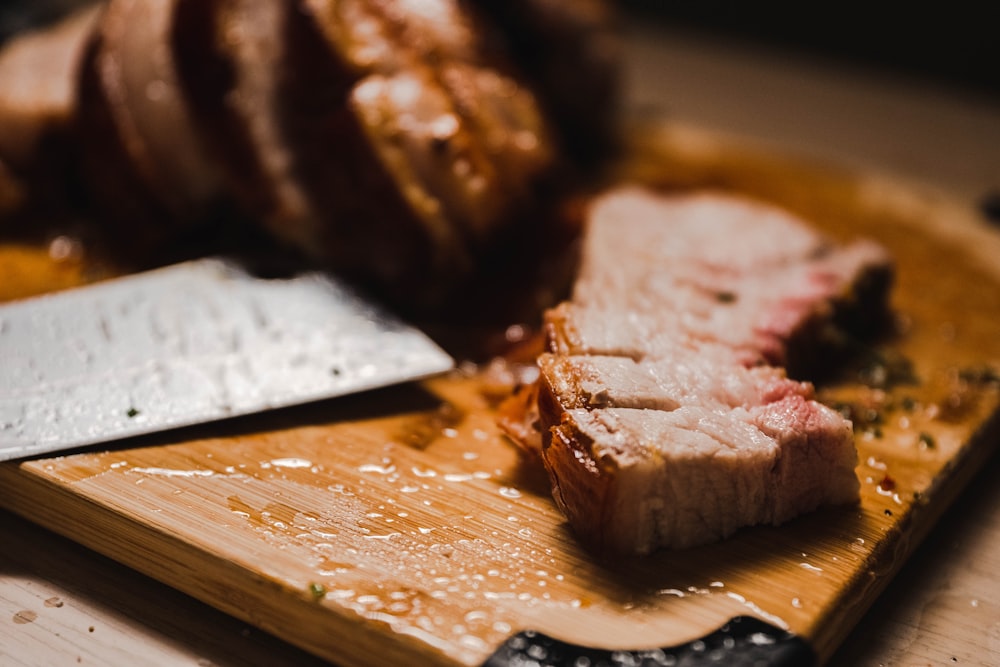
[884,370]
[725,297]
[981,375]
[318,591]
[131,413]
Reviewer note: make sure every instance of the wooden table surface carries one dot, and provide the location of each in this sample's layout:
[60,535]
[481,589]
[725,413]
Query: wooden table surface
[63,604]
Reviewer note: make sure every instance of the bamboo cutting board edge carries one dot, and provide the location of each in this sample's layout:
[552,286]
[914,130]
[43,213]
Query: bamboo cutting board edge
[288,612]
[28,484]
[222,584]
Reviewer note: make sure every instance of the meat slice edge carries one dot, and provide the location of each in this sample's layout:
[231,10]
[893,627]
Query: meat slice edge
[659,426]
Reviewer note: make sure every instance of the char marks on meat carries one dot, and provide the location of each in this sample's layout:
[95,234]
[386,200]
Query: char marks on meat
[663,413]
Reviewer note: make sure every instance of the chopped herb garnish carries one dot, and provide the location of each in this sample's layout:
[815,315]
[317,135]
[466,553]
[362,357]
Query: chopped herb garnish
[131,412]
[883,370]
[979,375]
[318,591]
[725,297]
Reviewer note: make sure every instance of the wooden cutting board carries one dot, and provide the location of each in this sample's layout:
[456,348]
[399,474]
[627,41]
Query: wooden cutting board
[400,525]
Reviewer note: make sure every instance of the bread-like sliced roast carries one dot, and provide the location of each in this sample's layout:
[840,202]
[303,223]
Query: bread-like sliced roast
[396,141]
[142,158]
[441,123]
[663,412]
[386,137]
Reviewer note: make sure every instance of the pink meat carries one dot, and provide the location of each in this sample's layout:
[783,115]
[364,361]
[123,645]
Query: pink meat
[664,414]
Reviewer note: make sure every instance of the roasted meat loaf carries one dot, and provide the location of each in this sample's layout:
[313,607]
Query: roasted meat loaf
[394,141]
[663,412]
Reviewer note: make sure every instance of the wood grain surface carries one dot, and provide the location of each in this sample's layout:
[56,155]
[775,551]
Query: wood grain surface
[401,526]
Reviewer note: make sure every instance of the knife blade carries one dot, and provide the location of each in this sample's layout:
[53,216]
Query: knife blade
[187,344]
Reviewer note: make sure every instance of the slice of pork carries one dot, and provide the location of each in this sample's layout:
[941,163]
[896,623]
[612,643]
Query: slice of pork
[442,124]
[685,449]
[375,135]
[142,157]
[38,75]
[661,271]
[39,70]
[663,411]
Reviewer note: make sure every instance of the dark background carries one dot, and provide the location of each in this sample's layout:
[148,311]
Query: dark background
[951,43]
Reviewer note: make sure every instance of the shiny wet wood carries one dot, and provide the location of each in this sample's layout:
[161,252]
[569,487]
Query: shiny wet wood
[400,524]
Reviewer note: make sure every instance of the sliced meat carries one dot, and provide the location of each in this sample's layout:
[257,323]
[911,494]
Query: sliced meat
[443,125]
[682,451]
[377,135]
[571,52]
[633,480]
[38,76]
[663,411]
[393,140]
[735,272]
[143,159]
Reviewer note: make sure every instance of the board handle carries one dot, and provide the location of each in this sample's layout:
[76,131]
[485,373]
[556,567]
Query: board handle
[744,641]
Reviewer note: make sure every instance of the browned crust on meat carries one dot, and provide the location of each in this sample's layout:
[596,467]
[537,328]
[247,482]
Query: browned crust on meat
[140,156]
[560,336]
[207,74]
[364,202]
[114,184]
[365,225]
[582,486]
[813,445]
[518,417]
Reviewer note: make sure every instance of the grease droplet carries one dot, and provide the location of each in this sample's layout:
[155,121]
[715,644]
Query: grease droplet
[25,616]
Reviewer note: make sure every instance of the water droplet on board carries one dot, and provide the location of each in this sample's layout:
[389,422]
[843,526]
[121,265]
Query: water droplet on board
[170,472]
[379,469]
[291,462]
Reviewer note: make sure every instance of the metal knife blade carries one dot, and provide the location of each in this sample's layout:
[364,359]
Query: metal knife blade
[188,344]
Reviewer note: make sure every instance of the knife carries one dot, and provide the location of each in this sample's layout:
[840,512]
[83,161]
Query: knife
[188,344]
